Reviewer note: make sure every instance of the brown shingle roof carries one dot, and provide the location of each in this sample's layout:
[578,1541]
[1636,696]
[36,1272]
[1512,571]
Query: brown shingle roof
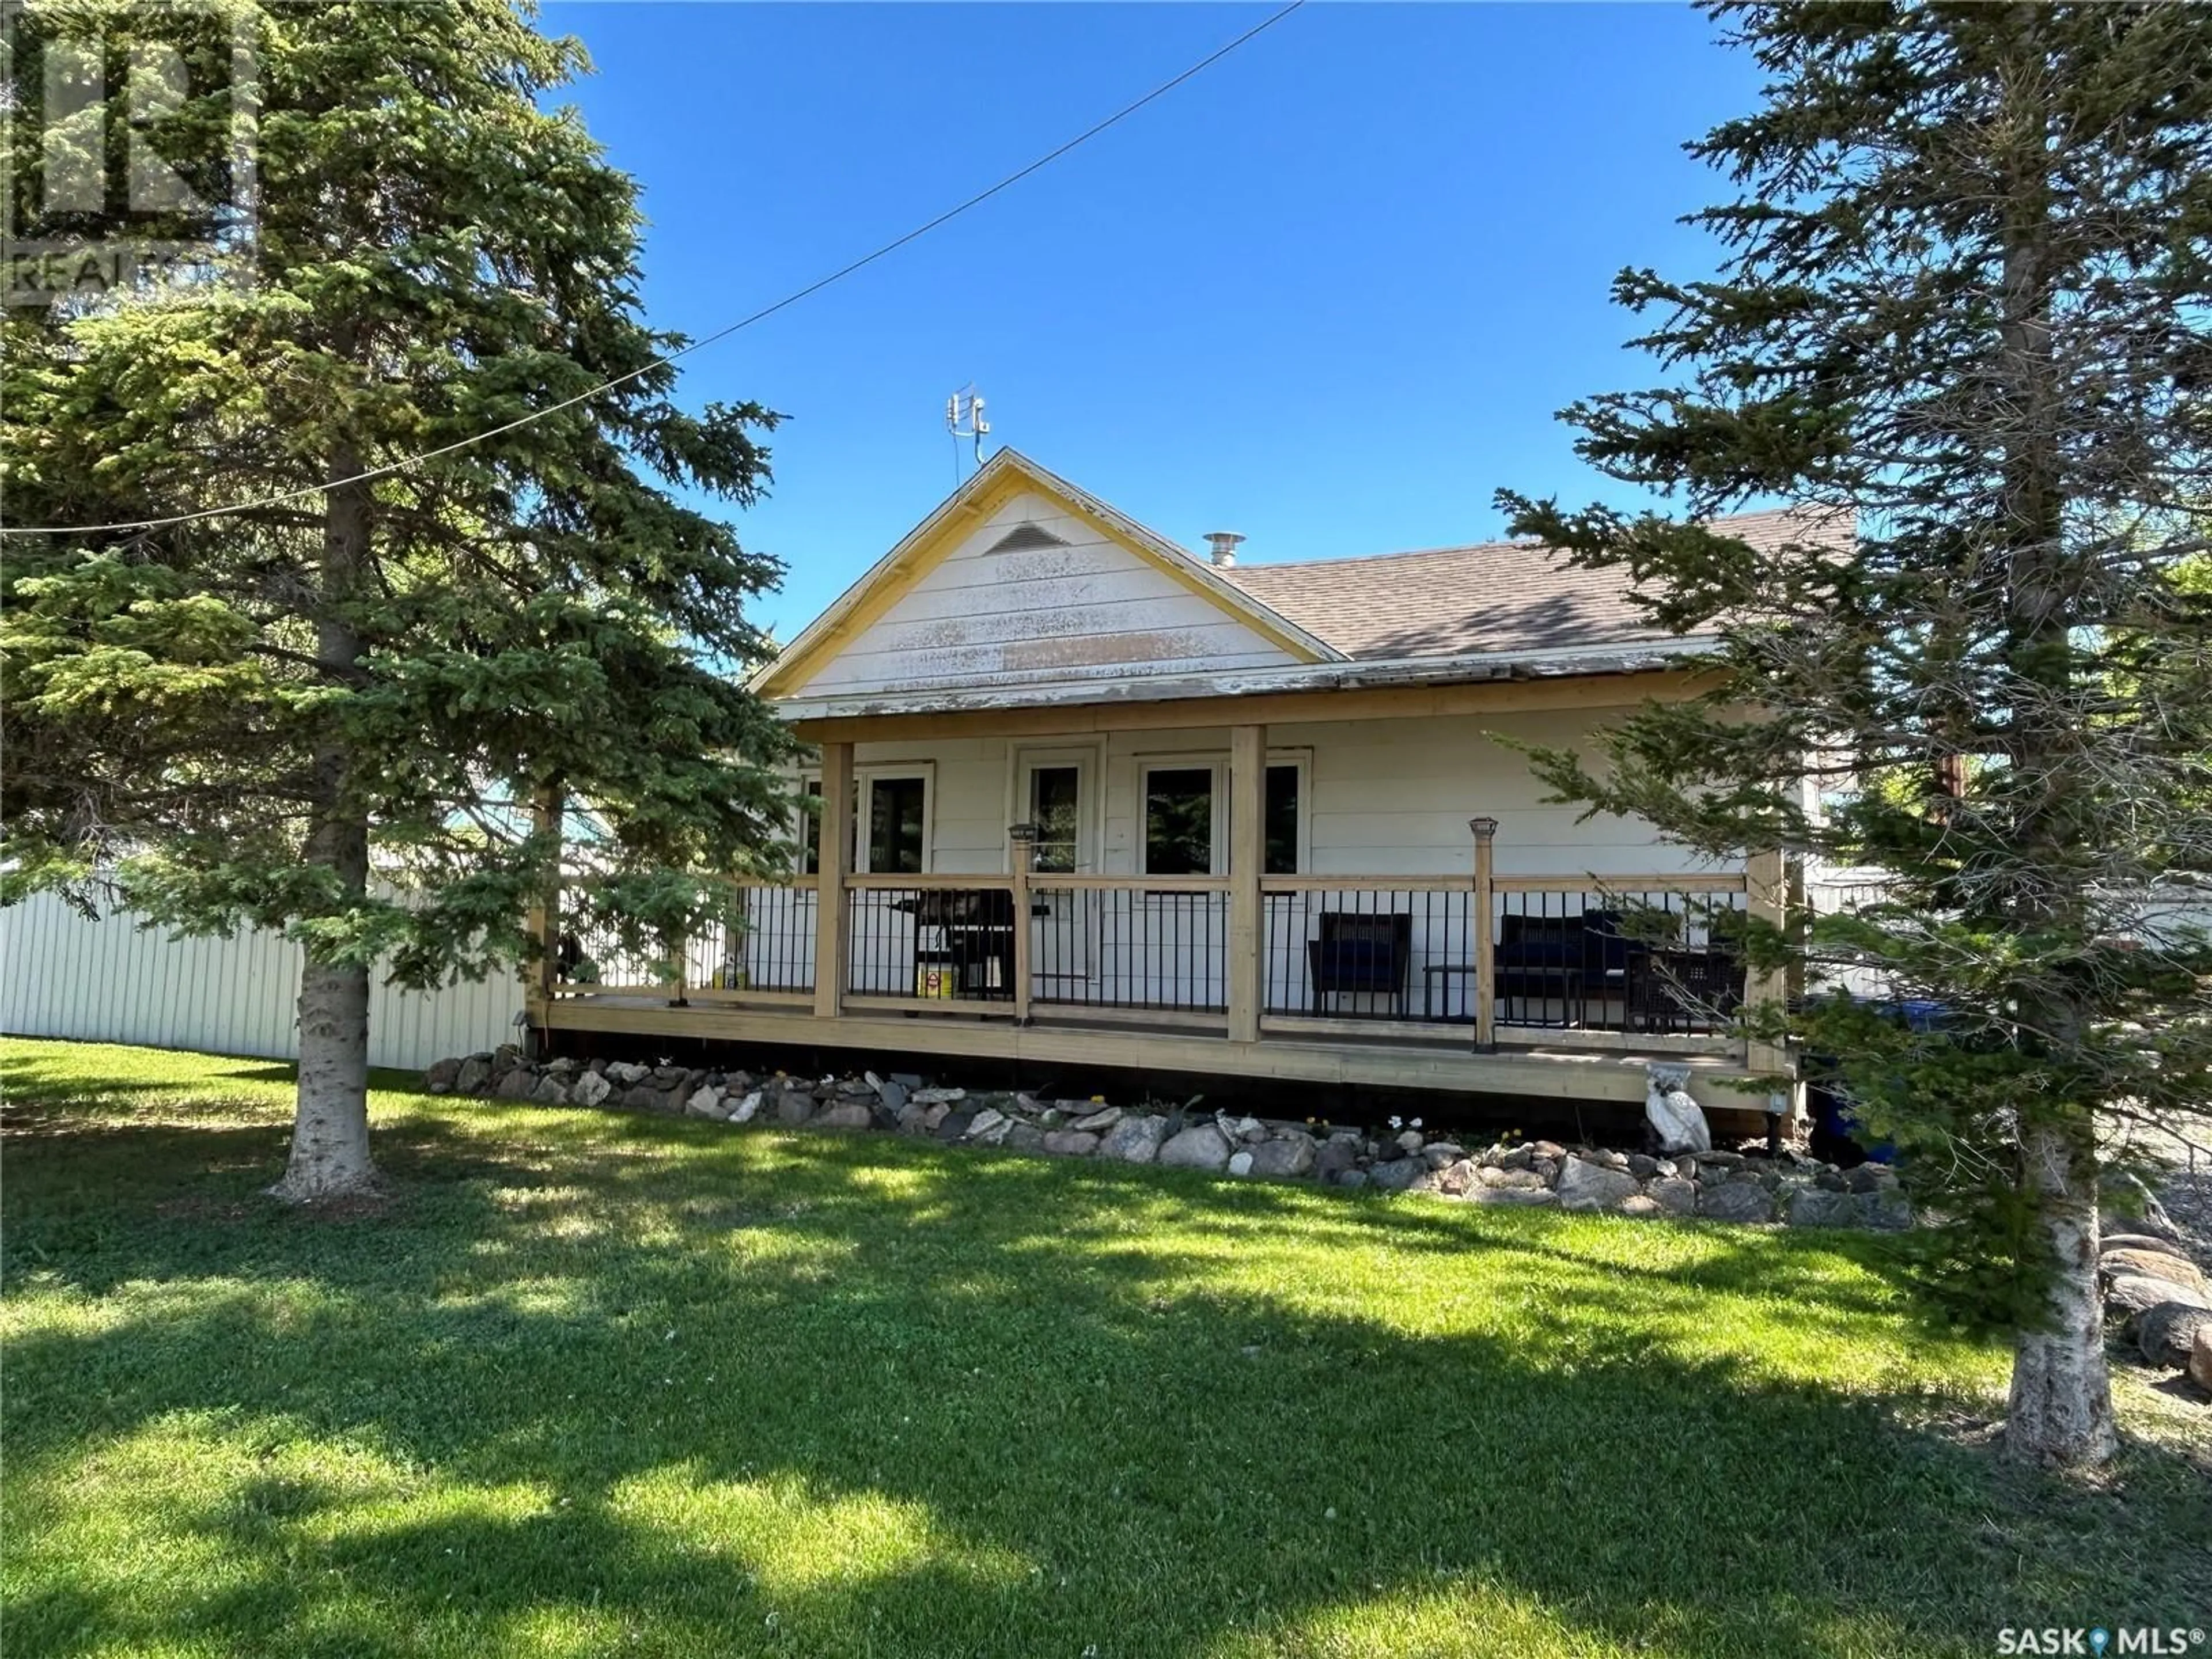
[1497,597]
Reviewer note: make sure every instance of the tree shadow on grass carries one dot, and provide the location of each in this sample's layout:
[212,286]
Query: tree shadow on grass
[603,1380]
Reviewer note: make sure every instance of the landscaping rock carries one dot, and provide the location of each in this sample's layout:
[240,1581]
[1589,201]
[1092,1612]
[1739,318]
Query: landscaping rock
[985,1121]
[1735,1200]
[473,1074]
[1248,1129]
[1398,1174]
[1642,1208]
[1584,1185]
[956,1123]
[1510,1180]
[641,1097]
[1021,1137]
[2134,1294]
[1134,1139]
[1070,1143]
[1240,1162]
[1457,1178]
[1817,1206]
[1887,1210]
[706,1101]
[894,1097]
[1531,1197]
[846,1115]
[2168,1332]
[440,1078]
[2200,1358]
[1869,1178]
[2140,1242]
[2151,1264]
[1098,1122]
[1353,1180]
[1643,1166]
[1674,1195]
[515,1084]
[1442,1154]
[1338,1153]
[590,1090]
[1201,1146]
[748,1107]
[1409,1142]
[794,1106]
[1285,1158]
[550,1092]
[1515,1158]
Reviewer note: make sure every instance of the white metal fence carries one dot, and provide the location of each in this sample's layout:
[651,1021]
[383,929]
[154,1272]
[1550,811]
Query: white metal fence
[112,980]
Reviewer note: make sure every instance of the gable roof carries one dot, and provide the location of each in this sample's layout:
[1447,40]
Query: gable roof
[1005,475]
[1496,597]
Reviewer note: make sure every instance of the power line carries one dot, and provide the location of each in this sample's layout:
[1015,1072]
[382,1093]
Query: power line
[723,333]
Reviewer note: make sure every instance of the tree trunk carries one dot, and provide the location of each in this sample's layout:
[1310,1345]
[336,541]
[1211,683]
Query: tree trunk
[2060,1409]
[330,1128]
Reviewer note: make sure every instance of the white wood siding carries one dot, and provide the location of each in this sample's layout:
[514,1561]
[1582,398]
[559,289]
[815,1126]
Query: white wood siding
[111,981]
[1388,797]
[1089,610]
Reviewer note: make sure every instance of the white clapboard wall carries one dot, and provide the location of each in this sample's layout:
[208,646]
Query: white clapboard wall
[112,980]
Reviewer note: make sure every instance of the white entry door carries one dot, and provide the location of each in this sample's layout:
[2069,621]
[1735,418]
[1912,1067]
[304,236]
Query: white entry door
[1056,793]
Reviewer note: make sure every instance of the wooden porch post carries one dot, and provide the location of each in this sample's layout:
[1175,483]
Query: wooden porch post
[1766,895]
[833,926]
[1479,928]
[1021,861]
[1248,858]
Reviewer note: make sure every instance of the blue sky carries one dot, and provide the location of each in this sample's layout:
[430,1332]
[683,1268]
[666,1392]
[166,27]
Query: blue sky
[1330,294]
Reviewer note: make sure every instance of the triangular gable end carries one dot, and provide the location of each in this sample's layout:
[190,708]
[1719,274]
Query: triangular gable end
[1019,579]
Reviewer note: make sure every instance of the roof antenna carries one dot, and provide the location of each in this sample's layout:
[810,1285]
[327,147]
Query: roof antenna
[964,418]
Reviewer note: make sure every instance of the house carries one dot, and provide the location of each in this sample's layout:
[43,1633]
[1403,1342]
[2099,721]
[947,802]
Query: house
[1088,799]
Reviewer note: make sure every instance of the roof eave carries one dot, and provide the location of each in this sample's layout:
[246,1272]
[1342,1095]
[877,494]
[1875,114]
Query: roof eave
[1628,657]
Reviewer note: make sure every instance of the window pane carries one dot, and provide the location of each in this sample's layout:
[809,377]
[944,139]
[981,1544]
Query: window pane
[895,807]
[1054,809]
[1179,821]
[1282,821]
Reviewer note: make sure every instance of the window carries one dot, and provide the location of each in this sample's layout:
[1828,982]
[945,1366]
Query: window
[1282,857]
[898,819]
[1179,821]
[809,830]
[1055,807]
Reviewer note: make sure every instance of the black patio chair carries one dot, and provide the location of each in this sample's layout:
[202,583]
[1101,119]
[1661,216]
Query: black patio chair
[1360,955]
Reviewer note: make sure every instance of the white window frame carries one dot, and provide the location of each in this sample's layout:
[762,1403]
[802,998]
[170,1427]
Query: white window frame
[1217,761]
[1303,760]
[1196,760]
[864,779]
[1089,761]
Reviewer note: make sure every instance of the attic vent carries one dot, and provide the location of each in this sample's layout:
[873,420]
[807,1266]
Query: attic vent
[1023,536]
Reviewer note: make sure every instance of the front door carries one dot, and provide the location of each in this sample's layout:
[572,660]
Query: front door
[1056,797]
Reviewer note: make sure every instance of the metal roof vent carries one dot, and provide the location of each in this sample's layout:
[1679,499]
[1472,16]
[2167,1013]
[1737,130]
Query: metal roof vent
[1225,547]
[1024,537]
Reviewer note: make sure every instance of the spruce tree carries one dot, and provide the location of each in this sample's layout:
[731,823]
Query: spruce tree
[342,714]
[1963,305]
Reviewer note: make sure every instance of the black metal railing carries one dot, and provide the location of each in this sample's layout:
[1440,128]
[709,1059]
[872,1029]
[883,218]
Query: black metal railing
[767,944]
[1129,947]
[931,944]
[1654,961]
[1368,952]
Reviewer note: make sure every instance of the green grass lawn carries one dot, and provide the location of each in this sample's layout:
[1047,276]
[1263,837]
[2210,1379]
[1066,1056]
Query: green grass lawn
[590,1384]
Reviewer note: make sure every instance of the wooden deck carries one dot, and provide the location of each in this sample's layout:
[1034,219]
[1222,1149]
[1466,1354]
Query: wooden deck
[1382,1055]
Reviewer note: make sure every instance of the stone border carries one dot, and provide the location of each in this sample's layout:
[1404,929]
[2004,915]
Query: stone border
[1747,1186]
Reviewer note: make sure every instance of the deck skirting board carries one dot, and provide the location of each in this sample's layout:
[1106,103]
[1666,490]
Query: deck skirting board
[1589,1075]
